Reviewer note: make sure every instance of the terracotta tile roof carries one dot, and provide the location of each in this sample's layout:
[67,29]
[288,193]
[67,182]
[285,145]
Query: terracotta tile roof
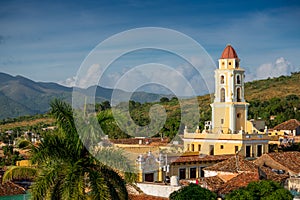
[290,160]
[9,188]
[145,197]
[230,165]
[291,124]
[270,175]
[155,141]
[229,52]
[212,183]
[242,180]
[197,158]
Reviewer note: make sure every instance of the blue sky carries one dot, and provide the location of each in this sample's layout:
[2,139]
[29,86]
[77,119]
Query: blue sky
[48,40]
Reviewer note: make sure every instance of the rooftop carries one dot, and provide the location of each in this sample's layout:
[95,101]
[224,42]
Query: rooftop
[291,124]
[9,188]
[229,52]
[197,158]
[290,160]
[233,165]
[242,180]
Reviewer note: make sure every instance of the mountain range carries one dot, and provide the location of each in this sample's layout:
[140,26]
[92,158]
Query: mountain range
[21,96]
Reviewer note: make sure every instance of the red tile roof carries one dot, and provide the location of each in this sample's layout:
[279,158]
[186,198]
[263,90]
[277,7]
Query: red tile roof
[212,183]
[230,165]
[9,188]
[242,180]
[270,175]
[145,197]
[291,124]
[290,160]
[149,141]
[197,158]
[229,52]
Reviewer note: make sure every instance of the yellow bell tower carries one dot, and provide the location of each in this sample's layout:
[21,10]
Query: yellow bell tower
[229,109]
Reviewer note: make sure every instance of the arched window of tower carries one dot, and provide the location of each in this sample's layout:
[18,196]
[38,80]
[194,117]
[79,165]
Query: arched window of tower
[238,95]
[238,79]
[222,79]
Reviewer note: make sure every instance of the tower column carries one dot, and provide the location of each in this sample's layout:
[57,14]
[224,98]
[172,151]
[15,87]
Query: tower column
[232,118]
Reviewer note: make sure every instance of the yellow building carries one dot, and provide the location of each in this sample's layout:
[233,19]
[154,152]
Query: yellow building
[229,131]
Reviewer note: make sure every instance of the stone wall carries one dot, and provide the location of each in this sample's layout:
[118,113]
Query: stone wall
[159,190]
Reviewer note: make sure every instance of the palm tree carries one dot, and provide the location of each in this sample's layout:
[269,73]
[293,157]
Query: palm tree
[65,169]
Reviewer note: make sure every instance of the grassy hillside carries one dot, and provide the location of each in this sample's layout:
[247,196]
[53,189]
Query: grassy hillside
[273,87]
[279,97]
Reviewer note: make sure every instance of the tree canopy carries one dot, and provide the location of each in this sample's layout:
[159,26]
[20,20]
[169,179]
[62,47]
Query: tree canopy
[63,167]
[261,190]
[192,192]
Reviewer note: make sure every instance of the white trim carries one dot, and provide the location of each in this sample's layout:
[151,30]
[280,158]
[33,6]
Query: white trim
[256,141]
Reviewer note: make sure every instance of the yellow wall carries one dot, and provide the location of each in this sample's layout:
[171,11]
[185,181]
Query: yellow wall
[24,163]
[228,147]
[219,114]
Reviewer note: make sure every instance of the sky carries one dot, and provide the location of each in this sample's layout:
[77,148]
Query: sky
[49,40]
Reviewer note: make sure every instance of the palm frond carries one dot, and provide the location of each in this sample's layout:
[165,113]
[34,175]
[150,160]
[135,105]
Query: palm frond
[114,158]
[19,172]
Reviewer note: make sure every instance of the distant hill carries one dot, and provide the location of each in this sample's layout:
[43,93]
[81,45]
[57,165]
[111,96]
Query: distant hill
[279,97]
[21,96]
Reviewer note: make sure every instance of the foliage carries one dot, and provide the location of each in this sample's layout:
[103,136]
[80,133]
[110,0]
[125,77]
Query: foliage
[17,173]
[282,108]
[192,192]
[10,156]
[278,97]
[67,170]
[264,190]
[23,144]
[293,147]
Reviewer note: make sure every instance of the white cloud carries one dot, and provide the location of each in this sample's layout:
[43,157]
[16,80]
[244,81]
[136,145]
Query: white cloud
[69,82]
[280,67]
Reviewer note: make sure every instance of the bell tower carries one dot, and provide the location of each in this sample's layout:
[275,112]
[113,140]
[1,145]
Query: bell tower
[229,109]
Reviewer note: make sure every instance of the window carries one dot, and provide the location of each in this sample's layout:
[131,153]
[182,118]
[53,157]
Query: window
[182,173]
[259,150]
[221,147]
[238,115]
[222,95]
[222,121]
[238,79]
[193,147]
[222,80]
[238,95]
[199,147]
[188,147]
[201,171]
[229,63]
[193,172]
[248,151]
[211,150]
[236,149]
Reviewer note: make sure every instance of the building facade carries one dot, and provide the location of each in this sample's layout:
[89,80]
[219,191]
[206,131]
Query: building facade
[229,131]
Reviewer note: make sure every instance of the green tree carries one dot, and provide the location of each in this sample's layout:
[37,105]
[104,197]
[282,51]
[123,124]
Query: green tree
[164,99]
[264,190]
[192,192]
[65,169]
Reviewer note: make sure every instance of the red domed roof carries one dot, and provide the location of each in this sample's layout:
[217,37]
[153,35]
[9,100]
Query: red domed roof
[229,52]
